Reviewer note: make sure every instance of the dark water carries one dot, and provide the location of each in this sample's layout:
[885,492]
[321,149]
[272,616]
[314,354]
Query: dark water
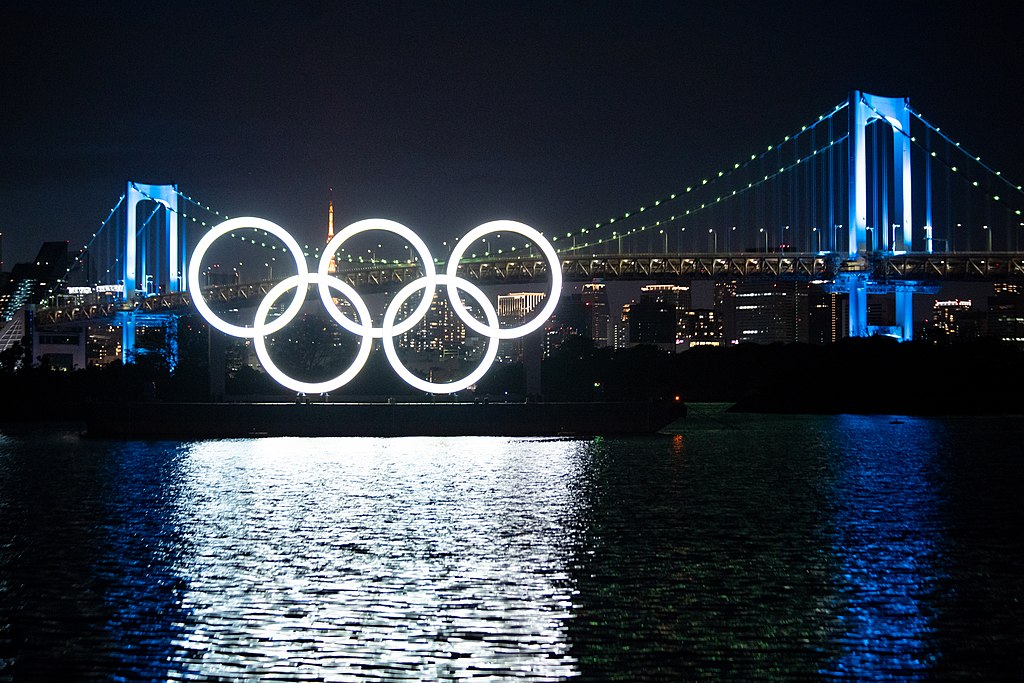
[743,548]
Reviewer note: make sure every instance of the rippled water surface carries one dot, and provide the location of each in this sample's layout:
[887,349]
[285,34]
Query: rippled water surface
[743,547]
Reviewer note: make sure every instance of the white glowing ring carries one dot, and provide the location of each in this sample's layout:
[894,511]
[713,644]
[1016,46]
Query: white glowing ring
[417,244]
[554,267]
[389,338]
[197,259]
[300,282]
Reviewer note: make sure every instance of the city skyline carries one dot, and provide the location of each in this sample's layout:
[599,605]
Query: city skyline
[442,117]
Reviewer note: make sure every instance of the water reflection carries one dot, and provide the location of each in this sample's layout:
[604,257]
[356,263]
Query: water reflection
[423,559]
[87,588]
[702,562]
[743,547]
[890,543]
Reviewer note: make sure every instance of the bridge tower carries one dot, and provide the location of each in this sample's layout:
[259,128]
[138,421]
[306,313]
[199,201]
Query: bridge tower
[864,239]
[153,262]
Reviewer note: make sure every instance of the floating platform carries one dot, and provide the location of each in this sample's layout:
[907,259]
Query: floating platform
[158,420]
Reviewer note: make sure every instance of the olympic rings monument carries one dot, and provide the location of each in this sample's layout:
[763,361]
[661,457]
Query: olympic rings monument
[389,328]
[223,419]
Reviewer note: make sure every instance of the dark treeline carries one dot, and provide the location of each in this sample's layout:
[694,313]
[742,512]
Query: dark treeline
[866,375]
[872,375]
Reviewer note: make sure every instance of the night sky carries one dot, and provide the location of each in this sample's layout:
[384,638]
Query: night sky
[444,115]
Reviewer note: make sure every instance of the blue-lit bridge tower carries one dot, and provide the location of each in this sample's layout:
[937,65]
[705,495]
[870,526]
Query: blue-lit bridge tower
[153,263]
[864,239]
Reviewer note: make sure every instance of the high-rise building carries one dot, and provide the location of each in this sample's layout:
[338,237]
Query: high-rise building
[440,334]
[674,296]
[881,311]
[954,320]
[1005,317]
[103,345]
[651,321]
[658,318]
[595,301]
[827,320]
[570,319]
[514,310]
[725,307]
[619,337]
[766,311]
[702,327]
[30,282]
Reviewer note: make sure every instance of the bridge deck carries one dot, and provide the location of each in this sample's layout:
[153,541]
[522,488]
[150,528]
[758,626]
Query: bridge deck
[885,267]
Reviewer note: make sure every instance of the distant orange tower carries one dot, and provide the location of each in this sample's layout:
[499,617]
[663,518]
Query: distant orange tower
[332,267]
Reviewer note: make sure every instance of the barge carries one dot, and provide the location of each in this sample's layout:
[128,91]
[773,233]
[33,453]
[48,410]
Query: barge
[160,420]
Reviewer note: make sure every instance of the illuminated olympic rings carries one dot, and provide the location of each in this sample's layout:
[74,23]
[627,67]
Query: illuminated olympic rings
[389,328]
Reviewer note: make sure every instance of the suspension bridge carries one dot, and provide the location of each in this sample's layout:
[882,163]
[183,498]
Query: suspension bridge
[868,198]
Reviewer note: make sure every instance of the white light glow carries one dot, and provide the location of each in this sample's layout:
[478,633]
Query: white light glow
[389,328]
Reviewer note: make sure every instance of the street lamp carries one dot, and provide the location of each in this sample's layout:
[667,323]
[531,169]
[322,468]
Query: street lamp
[869,236]
[729,240]
[817,236]
[666,239]
[765,239]
[835,228]
[711,231]
[988,237]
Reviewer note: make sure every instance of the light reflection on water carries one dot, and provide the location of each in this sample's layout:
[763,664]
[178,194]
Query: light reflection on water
[890,544]
[743,547]
[385,558]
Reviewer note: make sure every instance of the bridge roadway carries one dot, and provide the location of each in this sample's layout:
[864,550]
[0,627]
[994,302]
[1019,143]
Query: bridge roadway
[878,267]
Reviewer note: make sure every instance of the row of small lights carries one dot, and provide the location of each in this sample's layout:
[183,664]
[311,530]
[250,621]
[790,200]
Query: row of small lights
[957,145]
[103,224]
[81,252]
[976,159]
[706,205]
[781,170]
[315,252]
[719,176]
[308,252]
[615,235]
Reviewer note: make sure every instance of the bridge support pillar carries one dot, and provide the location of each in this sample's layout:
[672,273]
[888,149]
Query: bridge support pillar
[127,322]
[905,312]
[533,353]
[857,293]
[217,350]
[131,321]
[857,286]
